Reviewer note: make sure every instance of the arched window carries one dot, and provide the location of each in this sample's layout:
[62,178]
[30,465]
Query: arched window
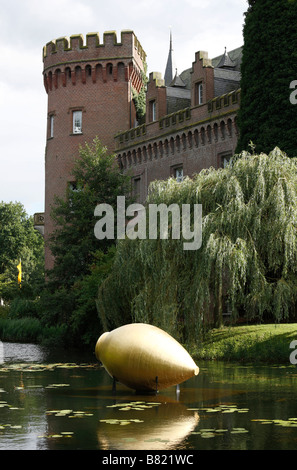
[161,149]
[109,71]
[177,140]
[196,137]
[202,134]
[144,151]
[184,141]
[121,71]
[88,71]
[139,158]
[216,131]
[229,127]
[78,75]
[166,147]
[222,129]
[208,131]
[172,145]
[190,139]
[99,74]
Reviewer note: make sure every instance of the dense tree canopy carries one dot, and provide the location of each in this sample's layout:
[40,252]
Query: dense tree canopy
[19,241]
[267,117]
[81,260]
[248,256]
[97,180]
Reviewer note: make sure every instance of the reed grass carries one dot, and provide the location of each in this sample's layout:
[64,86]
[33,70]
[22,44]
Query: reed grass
[30,330]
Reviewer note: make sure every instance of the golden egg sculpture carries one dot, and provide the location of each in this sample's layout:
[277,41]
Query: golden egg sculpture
[144,357]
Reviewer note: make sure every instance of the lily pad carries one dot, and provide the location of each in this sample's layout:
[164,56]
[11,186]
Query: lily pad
[207,435]
[239,432]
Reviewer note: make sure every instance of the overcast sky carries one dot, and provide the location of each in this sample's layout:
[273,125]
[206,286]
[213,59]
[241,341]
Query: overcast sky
[27,25]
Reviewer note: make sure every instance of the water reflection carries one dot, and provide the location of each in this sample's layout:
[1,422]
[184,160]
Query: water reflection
[1,353]
[16,353]
[164,425]
[67,405]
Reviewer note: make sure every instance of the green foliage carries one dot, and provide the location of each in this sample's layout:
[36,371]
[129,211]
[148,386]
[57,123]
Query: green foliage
[20,330]
[248,256]
[83,322]
[73,243]
[266,115]
[23,307]
[19,240]
[140,99]
[81,261]
[31,330]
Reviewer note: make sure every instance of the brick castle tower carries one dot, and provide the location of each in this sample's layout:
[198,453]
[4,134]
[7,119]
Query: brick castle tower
[89,86]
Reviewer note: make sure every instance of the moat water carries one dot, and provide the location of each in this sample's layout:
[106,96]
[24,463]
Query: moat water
[60,401]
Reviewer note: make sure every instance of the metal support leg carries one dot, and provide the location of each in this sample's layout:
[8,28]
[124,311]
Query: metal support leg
[114,385]
[157,384]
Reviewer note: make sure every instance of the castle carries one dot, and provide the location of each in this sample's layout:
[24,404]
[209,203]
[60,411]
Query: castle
[190,120]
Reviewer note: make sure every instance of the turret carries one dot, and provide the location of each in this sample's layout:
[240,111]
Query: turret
[90,93]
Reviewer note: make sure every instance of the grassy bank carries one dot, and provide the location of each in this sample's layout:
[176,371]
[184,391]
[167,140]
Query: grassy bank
[251,343]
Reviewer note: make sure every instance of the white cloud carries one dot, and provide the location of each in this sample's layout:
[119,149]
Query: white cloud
[15,66]
[27,25]
[22,136]
[59,11]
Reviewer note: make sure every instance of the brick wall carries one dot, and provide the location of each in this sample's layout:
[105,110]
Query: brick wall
[93,78]
[195,138]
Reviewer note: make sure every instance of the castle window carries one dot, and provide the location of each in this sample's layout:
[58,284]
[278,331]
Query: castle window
[152,111]
[51,126]
[77,122]
[73,188]
[198,93]
[224,159]
[179,174]
[136,188]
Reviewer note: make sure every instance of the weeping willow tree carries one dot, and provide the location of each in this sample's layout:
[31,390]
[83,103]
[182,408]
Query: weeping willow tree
[248,256]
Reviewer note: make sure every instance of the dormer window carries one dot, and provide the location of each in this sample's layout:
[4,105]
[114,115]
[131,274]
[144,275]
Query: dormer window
[198,93]
[152,111]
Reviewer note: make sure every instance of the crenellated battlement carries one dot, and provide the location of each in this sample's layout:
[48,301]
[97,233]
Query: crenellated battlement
[92,46]
[77,59]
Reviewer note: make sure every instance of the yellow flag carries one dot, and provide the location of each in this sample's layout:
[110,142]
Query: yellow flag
[19,266]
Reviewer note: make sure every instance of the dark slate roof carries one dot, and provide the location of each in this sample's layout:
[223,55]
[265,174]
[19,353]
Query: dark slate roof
[235,56]
[226,61]
[177,81]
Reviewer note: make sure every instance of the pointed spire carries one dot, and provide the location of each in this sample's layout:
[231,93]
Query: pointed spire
[170,68]
[226,61]
[177,81]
